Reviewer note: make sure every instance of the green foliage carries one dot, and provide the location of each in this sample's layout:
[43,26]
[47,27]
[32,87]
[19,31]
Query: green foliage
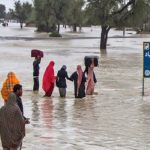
[22,11]
[2,11]
[75,13]
[55,12]
[44,17]
[100,12]
[55,34]
[140,17]
[108,13]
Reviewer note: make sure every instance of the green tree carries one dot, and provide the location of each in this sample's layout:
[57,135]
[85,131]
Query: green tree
[22,12]
[59,9]
[140,17]
[50,13]
[44,15]
[2,11]
[75,14]
[107,13]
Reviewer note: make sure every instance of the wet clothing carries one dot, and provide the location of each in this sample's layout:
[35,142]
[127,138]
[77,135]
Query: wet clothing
[36,83]
[36,69]
[80,75]
[61,78]
[8,85]
[49,79]
[91,80]
[19,103]
[61,81]
[79,93]
[86,73]
[62,92]
[12,125]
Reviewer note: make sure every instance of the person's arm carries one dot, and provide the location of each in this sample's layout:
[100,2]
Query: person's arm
[72,77]
[67,76]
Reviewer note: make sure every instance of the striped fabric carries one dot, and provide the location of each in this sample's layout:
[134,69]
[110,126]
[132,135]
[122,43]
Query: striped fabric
[12,125]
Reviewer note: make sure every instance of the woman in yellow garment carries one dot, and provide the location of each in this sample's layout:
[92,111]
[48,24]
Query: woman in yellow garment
[8,85]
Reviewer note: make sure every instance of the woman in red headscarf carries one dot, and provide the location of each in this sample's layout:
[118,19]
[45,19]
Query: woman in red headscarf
[79,82]
[49,79]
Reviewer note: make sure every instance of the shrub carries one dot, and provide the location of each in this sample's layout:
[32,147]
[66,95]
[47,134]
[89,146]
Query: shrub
[55,34]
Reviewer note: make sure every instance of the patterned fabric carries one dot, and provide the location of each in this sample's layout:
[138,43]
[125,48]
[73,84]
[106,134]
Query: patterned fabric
[80,75]
[90,81]
[12,125]
[8,85]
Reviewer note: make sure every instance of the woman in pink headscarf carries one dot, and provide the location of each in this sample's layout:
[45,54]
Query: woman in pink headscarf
[91,80]
[49,79]
[79,82]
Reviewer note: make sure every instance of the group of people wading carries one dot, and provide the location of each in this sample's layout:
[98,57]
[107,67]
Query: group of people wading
[84,81]
[12,119]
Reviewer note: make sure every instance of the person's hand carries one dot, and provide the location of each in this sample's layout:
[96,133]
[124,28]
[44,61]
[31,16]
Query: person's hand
[27,121]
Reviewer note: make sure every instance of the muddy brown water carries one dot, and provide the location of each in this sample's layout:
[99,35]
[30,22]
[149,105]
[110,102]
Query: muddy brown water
[115,118]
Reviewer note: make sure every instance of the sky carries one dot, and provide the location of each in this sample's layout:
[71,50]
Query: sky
[10,3]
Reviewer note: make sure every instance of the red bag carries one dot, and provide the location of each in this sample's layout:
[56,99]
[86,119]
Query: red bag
[36,52]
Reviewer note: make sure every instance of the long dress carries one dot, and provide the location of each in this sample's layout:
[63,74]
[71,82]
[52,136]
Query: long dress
[79,93]
[12,125]
[91,80]
[49,79]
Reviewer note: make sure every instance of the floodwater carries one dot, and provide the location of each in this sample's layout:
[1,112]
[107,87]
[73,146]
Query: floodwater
[117,117]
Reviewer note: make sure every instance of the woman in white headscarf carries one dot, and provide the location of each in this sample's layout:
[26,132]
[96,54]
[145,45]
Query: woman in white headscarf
[12,124]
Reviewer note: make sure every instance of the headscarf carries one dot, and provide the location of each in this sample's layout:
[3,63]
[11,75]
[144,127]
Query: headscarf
[8,85]
[48,77]
[80,74]
[64,67]
[11,119]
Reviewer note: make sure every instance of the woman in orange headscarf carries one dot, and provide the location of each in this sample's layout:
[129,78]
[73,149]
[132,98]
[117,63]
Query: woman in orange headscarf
[8,85]
[49,79]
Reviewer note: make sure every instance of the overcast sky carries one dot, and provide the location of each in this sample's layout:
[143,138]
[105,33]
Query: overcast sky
[10,3]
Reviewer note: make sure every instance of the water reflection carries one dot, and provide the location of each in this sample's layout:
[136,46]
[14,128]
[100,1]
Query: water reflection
[61,109]
[47,112]
[35,109]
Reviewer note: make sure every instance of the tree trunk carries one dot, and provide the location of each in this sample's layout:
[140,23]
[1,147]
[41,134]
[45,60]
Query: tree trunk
[124,31]
[58,28]
[64,26]
[21,25]
[47,27]
[80,28]
[74,28]
[104,36]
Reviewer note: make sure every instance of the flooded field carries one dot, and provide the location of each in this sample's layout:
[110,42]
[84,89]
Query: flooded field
[117,117]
